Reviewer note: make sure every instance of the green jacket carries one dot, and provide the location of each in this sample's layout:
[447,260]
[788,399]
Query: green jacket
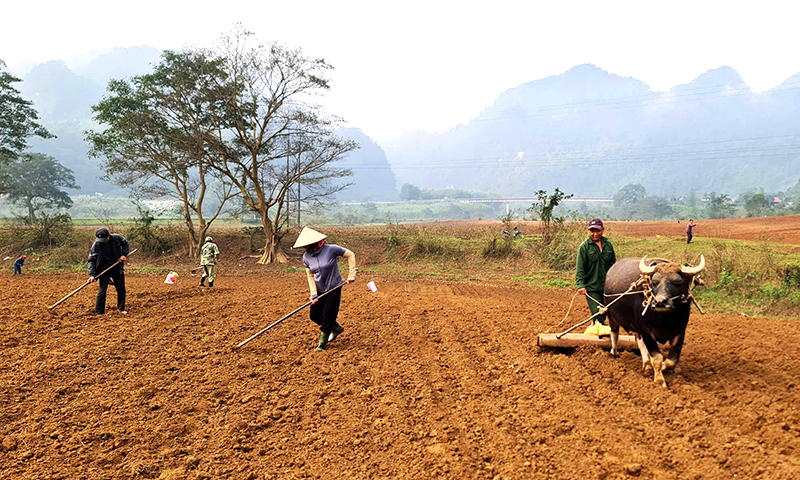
[592,265]
[209,254]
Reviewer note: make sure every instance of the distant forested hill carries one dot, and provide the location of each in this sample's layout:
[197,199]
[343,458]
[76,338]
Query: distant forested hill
[590,133]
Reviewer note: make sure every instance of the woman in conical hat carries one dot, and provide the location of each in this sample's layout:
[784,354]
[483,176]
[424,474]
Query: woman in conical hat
[322,270]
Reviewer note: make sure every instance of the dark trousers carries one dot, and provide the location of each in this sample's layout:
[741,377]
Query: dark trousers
[326,310]
[594,307]
[119,284]
[688,237]
[17,269]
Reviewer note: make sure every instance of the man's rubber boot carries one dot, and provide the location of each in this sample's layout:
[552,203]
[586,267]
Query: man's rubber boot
[323,342]
[210,284]
[337,329]
[203,282]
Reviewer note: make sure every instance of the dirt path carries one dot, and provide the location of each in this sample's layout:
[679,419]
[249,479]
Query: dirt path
[429,380]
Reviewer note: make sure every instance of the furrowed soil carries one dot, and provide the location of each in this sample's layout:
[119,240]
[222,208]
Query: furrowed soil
[430,379]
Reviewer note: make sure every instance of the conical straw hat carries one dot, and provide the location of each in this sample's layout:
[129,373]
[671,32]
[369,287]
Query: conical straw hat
[307,237]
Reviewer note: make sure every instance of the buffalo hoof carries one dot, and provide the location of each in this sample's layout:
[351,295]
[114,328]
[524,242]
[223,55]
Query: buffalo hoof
[647,369]
[669,365]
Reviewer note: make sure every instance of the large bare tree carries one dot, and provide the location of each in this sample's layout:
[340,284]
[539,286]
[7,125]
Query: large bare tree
[154,143]
[277,138]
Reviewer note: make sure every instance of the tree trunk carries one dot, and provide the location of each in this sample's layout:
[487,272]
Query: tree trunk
[201,239]
[273,253]
[272,248]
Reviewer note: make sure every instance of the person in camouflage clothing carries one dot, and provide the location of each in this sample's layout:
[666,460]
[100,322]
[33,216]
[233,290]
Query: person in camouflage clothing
[208,260]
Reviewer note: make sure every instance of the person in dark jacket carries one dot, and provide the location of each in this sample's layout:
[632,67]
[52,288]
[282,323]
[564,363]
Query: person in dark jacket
[107,250]
[595,257]
[18,263]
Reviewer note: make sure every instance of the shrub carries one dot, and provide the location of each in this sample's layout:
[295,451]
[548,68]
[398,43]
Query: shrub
[791,275]
[500,248]
[150,237]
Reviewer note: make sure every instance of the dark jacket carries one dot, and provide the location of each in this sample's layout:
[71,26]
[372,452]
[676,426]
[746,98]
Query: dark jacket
[119,247]
[20,261]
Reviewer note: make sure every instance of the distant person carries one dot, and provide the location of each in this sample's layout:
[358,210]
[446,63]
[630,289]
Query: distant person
[595,257]
[689,227]
[208,260]
[322,271]
[107,250]
[18,263]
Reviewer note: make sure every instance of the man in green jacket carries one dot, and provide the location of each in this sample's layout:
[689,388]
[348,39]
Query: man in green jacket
[209,254]
[595,257]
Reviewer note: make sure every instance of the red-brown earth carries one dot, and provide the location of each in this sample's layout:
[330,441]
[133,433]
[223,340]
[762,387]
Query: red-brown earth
[430,379]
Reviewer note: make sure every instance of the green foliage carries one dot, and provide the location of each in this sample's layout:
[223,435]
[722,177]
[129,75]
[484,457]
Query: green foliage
[791,275]
[756,204]
[150,237]
[543,209]
[424,246]
[150,269]
[293,269]
[719,206]
[44,230]
[413,192]
[557,283]
[34,181]
[410,192]
[18,119]
[255,234]
[500,248]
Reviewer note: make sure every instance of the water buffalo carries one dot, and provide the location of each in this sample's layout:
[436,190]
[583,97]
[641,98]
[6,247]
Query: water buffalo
[657,313]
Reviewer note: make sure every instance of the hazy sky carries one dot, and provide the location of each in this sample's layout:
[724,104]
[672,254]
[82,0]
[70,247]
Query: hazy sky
[429,65]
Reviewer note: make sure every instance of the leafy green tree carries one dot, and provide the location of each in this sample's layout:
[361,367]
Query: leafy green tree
[155,138]
[34,181]
[755,204]
[18,119]
[719,206]
[654,207]
[627,198]
[410,192]
[543,209]
[691,201]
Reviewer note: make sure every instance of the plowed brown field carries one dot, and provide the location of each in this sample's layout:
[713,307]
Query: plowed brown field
[429,380]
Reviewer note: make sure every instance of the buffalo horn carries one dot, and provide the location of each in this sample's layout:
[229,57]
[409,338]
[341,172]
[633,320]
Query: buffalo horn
[694,270]
[644,268]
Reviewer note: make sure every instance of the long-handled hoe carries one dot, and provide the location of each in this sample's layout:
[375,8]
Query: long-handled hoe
[263,330]
[88,282]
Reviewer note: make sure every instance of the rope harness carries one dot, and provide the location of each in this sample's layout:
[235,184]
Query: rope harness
[647,289]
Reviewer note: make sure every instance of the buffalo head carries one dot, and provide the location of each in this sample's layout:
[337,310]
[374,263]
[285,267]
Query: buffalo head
[669,282]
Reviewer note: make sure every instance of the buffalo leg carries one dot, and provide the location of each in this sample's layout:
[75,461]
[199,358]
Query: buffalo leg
[656,359]
[614,336]
[645,353]
[676,345]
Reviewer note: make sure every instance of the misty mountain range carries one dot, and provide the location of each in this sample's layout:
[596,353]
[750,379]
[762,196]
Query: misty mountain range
[585,131]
